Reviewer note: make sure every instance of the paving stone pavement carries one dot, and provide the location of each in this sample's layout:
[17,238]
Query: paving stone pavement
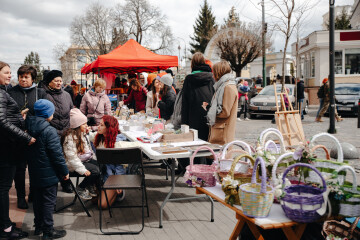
[182,220]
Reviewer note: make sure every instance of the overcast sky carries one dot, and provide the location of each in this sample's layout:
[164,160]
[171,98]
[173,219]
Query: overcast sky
[38,25]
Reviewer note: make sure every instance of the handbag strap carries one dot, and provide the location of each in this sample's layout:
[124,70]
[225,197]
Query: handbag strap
[97,105]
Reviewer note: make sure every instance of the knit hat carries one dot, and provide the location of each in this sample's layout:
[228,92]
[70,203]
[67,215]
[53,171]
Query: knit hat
[51,75]
[167,80]
[324,80]
[44,108]
[77,118]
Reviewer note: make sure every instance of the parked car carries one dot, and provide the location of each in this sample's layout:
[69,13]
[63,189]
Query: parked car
[264,102]
[347,96]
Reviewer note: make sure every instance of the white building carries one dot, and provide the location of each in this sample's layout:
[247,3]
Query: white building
[337,11]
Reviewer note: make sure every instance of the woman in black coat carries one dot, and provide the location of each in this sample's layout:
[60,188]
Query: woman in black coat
[168,96]
[12,136]
[197,88]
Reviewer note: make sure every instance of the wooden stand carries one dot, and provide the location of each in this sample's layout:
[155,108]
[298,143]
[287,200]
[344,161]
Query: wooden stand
[288,121]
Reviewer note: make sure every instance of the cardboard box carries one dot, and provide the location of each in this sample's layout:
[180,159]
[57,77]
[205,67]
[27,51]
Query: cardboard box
[182,137]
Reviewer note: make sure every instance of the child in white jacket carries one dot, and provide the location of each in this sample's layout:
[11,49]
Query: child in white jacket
[79,155]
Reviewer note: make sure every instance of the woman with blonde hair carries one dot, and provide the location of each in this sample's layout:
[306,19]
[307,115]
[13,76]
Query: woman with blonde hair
[95,104]
[223,108]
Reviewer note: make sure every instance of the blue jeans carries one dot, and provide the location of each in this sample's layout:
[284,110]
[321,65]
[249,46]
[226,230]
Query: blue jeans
[320,107]
[301,102]
[114,169]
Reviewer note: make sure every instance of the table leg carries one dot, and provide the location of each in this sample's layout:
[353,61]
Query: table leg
[237,229]
[170,192]
[255,231]
[296,233]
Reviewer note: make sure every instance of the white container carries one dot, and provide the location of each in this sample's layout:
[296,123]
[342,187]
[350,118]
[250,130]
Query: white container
[195,132]
[184,128]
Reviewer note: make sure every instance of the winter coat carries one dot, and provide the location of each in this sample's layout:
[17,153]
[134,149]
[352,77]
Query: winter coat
[300,88]
[73,162]
[91,100]
[166,105]
[197,88]
[149,104]
[70,90]
[45,157]
[223,131]
[26,98]
[11,129]
[78,99]
[139,97]
[63,104]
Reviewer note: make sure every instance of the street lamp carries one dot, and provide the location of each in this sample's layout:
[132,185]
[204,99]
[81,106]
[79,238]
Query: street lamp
[179,56]
[331,67]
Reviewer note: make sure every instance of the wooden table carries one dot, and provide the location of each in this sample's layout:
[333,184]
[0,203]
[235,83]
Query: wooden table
[275,220]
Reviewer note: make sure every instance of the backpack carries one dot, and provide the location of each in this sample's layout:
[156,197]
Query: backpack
[176,116]
[321,92]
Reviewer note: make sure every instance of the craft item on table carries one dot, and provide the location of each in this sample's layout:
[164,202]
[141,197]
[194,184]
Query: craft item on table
[184,128]
[257,198]
[233,179]
[225,163]
[304,203]
[157,127]
[334,229]
[344,196]
[170,136]
[169,149]
[195,132]
[201,175]
[214,147]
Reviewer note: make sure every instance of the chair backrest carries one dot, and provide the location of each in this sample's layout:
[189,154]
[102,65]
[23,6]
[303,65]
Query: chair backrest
[119,156]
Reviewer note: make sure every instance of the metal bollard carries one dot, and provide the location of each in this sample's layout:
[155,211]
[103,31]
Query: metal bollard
[359,113]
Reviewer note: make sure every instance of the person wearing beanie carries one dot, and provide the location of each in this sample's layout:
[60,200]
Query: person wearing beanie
[79,155]
[168,97]
[46,167]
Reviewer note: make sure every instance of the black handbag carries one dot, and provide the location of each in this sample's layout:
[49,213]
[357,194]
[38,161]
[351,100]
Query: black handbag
[91,121]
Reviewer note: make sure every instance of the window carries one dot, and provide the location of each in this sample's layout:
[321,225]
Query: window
[312,64]
[338,62]
[81,52]
[81,60]
[352,61]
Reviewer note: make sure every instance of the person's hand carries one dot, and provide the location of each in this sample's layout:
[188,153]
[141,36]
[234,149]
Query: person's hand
[87,173]
[121,103]
[67,177]
[32,141]
[142,111]
[24,113]
[204,105]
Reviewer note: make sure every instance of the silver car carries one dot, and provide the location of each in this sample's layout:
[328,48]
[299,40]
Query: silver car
[264,102]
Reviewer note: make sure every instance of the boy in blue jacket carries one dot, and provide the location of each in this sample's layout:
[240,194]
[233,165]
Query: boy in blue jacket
[46,167]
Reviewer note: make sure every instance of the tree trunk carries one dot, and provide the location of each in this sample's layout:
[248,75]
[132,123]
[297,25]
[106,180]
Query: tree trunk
[283,67]
[238,73]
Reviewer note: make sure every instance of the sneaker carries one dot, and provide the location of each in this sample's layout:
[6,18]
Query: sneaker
[239,119]
[92,191]
[54,234]
[121,197]
[15,233]
[22,204]
[83,193]
[247,119]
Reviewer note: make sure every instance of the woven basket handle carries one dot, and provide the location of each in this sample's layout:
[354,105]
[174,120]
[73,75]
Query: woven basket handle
[196,151]
[228,154]
[280,137]
[352,228]
[351,169]
[238,143]
[273,173]
[236,160]
[338,146]
[268,130]
[308,166]
[321,147]
[263,174]
[270,143]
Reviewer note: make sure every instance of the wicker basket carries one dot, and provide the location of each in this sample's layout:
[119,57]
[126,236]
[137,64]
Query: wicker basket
[326,167]
[313,149]
[267,145]
[235,179]
[201,174]
[341,229]
[257,198]
[348,207]
[301,202]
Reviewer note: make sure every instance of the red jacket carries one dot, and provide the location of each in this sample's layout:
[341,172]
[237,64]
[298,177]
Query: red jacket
[139,97]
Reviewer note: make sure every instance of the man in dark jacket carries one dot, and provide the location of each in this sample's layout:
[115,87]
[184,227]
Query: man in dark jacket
[198,88]
[25,95]
[300,88]
[46,166]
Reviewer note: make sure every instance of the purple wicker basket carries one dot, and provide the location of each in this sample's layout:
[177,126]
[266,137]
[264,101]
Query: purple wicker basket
[301,202]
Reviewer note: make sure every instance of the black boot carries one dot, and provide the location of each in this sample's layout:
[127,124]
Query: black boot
[15,233]
[30,197]
[66,187]
[21,203]
[54,234]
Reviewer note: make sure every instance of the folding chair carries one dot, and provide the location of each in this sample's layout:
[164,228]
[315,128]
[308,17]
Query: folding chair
[122,156]
[74,174]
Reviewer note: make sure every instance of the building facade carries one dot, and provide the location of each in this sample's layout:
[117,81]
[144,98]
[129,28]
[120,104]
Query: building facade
[355,15]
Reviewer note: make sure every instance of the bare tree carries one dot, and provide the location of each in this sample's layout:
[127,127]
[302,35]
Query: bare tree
[288,14]
[241,50]
[146,24]
[99,29]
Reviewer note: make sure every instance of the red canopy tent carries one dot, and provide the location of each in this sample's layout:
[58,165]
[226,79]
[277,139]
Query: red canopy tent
[84,68]
[131,58]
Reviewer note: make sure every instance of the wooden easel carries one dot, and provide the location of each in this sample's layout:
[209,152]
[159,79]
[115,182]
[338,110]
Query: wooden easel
[288,121]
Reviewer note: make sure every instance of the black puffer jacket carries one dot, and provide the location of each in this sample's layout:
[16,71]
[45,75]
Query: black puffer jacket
[198,88]
[11,128]
[45,157]
[63,104]
[166,105]
[26,98]
[300,88]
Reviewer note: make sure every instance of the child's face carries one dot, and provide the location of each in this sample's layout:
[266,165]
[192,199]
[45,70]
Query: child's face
[102,128]
[83,128]
[50,118]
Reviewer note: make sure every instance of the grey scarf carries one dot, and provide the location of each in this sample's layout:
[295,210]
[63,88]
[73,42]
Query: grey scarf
[217,100]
